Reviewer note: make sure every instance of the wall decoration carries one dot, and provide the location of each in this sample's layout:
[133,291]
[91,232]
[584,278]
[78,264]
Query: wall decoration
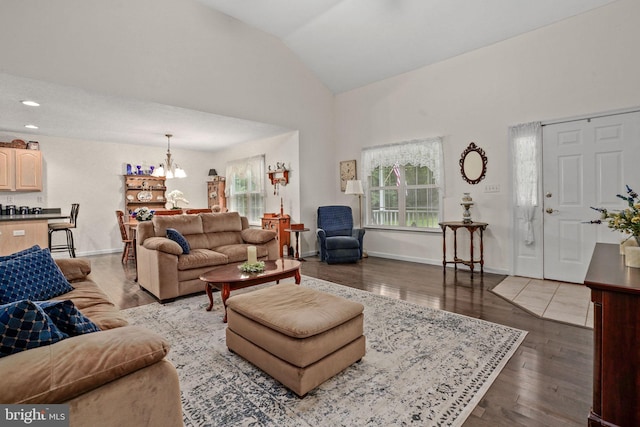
[347,173]
[473,164]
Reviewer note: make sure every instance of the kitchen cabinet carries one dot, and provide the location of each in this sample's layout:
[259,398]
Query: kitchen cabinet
[20,170]
[18,235]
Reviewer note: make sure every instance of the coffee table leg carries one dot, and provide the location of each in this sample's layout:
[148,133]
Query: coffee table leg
[207,287]
[226,291]
[298,277]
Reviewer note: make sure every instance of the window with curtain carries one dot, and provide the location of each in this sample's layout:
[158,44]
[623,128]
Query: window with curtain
[525,140]
[245,187]
[404,184]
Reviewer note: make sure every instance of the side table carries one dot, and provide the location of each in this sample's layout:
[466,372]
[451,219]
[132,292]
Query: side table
[471,227]
[297,231]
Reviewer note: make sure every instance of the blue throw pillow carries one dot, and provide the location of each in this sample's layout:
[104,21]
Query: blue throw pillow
[30,250]
[67,317]
[24,325]
[33,276]
[175,235]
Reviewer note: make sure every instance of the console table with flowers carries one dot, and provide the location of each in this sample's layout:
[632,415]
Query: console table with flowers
[615,293]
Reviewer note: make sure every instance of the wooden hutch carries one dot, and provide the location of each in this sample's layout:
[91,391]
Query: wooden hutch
[215,193]
[144,190]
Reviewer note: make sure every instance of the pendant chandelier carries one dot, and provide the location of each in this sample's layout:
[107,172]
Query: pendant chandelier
[168,168]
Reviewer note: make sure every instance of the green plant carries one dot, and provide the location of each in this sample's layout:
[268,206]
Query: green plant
[626,220]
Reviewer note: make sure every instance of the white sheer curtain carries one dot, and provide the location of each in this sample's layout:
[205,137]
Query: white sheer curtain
[418,152]
[245,186]
[526,140]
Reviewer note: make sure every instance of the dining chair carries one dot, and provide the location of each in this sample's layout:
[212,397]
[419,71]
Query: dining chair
[67,228]
[128,252]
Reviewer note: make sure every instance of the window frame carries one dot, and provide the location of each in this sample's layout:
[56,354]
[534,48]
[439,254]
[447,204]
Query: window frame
[250,166]
[428,152]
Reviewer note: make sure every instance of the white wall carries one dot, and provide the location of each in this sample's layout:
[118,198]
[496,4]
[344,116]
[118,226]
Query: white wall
[181,53]
[282,148]
[585,64]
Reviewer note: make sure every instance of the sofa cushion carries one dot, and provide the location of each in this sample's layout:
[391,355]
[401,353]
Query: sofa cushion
[74,269]
[24,325]
[57,373]
[238,252]
[32,249]
[228,221]
[33,276]
[342,242]
[173,234]
[67,318]
[95,304]
[185,224]
[201,258]
[257,236]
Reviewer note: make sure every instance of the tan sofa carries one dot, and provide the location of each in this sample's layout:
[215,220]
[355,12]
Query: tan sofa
[116,377]
[214,238]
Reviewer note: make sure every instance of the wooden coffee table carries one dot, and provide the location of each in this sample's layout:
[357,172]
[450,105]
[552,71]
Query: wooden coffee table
[229,278]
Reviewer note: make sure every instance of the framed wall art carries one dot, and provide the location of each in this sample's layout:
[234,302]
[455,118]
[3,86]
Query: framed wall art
[347,172]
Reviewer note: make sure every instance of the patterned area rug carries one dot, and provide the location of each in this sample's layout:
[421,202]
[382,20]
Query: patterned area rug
[423,366]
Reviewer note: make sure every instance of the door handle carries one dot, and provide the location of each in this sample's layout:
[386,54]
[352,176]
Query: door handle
[550,211]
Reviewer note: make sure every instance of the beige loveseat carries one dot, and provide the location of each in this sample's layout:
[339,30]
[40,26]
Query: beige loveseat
[214,239]
[115,377]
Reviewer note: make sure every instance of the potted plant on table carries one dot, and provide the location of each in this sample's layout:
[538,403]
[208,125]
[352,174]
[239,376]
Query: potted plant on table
[627,221]
[176,196]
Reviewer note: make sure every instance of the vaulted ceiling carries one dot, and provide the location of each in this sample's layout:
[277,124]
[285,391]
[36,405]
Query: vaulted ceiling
[346,43]
[351,43]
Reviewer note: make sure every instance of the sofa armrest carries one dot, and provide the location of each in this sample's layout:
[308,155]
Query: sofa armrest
[74,269]
[257,236]
[68,368]
[163,244]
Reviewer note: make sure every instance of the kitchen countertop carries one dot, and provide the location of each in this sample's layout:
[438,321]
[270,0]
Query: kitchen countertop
[46,215]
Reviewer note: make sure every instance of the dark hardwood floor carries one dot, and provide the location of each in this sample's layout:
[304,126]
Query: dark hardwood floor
[547,382]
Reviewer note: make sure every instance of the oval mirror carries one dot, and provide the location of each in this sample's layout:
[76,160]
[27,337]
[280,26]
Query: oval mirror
[473,164]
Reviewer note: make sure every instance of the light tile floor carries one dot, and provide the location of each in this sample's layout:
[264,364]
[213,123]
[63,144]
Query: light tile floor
[564,302]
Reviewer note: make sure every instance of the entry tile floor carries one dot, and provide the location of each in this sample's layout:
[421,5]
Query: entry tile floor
[563,302]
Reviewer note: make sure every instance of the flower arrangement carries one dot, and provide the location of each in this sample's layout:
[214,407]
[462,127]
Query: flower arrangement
[252,267]
[626,220]
[176,196]
[142,214]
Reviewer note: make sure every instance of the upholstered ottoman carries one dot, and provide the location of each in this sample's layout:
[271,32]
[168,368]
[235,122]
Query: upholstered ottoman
[299,336]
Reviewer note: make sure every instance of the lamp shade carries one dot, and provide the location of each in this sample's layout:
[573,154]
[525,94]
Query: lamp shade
[354,187]
[212,172]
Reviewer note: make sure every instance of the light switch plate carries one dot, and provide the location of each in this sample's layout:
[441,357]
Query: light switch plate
[492,188]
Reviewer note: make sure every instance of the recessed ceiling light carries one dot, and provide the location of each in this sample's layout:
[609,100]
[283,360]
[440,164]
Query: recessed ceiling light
[31,126]
[31,103]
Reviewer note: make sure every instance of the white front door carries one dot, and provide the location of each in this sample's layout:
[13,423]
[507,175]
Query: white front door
[585,163]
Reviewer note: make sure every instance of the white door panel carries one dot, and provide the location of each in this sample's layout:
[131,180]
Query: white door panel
[585,163]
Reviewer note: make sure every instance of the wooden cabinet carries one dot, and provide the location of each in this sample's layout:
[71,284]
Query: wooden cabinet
[18,235]
[144,190]
[615,292]
[20,170]
[279,224]
[215,193]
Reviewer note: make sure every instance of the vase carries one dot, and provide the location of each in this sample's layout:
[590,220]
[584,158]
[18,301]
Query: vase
[632,256]
[627,243]
[467,202]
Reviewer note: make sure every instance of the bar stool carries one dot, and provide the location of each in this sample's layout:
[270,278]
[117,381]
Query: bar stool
[66,227]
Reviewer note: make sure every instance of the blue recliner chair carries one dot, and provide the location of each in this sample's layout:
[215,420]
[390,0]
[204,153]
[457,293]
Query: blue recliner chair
[338,240]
